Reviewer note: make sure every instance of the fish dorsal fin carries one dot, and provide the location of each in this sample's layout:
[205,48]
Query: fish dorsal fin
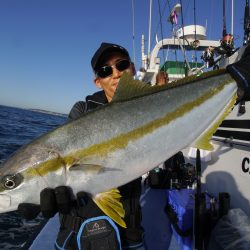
[129,88]
[203,142]
[109,203]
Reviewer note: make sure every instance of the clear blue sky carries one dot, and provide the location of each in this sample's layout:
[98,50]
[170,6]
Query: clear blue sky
[46,45]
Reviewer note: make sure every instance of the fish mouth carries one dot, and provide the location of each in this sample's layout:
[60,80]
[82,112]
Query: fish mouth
[5,202]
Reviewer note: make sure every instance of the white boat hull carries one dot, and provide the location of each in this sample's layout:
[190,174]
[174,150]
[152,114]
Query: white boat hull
[227,167]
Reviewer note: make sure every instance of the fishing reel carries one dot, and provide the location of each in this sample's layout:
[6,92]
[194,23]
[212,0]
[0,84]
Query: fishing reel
[174,174]
[226,47]
[227,43]
[183,177]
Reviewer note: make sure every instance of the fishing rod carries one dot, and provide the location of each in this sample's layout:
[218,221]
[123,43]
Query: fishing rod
[224,31]
[224,198]
[246,41]
[227,42]
[226,48]
[199,209]
[200,200]
[195,35]
[160,14]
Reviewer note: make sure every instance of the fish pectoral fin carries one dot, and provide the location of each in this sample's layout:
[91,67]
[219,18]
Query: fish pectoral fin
[109,203]
[203,142]
[94,168]
[86,167]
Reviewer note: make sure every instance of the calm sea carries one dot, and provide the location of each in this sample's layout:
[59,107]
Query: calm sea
[18,127]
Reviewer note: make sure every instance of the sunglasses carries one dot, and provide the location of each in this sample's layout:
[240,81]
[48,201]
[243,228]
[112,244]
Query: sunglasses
[106,71]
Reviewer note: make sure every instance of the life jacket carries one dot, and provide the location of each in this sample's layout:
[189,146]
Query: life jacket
[93,233]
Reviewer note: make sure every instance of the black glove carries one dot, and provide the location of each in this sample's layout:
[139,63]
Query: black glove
[240,71]
[51,201]
[62,200]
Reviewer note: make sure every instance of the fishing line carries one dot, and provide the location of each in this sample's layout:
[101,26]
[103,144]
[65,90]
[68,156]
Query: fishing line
[164,9]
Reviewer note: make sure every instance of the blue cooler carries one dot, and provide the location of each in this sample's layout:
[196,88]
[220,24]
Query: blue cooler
[180,212]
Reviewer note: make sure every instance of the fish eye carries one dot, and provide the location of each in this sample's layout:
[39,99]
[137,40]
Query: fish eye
[11,181]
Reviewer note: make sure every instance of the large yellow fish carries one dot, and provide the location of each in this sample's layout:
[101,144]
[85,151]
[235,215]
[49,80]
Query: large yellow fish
[110,146]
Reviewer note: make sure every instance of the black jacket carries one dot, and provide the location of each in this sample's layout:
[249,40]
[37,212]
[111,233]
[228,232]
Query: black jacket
[92,102]
[130,192]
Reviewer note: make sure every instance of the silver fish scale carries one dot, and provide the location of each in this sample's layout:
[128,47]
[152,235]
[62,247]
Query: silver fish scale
[138,156]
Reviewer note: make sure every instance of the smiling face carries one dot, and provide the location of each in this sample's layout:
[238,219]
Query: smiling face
[109,83]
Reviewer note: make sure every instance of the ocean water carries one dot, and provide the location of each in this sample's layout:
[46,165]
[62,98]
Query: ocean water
[18,127]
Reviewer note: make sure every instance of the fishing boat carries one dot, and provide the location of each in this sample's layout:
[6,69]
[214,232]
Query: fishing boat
[225,169]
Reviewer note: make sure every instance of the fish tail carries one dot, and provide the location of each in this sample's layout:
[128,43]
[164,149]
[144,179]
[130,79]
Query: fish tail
[109,203]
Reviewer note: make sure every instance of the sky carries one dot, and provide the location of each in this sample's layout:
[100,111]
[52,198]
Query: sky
[46,45]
